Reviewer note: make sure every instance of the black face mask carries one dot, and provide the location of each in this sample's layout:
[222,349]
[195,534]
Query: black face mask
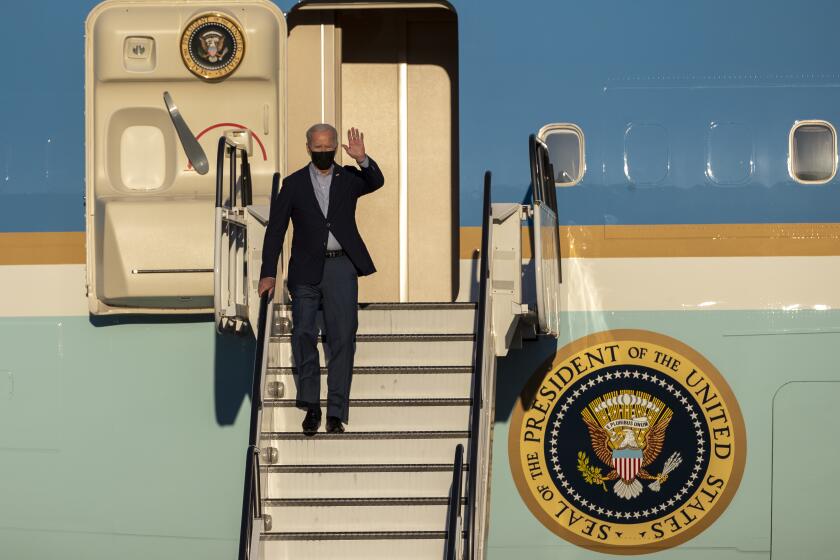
[323,160]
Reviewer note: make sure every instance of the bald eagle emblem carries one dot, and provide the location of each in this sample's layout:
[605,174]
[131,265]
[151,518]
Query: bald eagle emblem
[627,429]
[213,47]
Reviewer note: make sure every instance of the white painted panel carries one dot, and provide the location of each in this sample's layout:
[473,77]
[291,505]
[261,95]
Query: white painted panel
[680,284]
[43,290]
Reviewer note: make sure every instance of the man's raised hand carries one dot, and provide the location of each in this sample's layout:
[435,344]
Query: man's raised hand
[355,146]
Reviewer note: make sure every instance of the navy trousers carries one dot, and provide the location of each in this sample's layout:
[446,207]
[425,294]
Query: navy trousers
[338,294]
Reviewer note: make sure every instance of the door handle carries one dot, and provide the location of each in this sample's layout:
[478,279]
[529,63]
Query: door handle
[191,146]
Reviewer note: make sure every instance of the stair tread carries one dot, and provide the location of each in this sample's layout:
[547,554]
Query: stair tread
[351,535]
[383,402]
[403,434]
[360,468]
[372,370]
[429,337]
[447,305]
[358,501]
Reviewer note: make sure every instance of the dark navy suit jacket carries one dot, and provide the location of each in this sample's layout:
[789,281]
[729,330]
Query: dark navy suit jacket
[296,201]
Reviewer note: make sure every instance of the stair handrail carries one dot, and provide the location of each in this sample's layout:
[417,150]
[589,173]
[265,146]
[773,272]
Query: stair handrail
[546,237]
[454,520]
[230,287]
[245,183]
[252,495]
[220,169]
[482,334]
[550,192]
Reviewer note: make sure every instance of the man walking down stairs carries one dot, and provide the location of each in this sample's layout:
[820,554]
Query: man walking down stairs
[328,255]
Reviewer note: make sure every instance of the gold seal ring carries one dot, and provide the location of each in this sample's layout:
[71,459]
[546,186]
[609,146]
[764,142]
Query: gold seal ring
[627,442]
[212,46]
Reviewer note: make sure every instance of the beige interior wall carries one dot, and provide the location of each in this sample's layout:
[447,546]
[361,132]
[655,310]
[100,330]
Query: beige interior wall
[433,221]
[304,71]
[369,101]
[362,54]
[303,99]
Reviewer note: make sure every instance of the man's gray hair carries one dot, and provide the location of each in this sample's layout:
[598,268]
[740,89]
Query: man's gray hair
[321,127]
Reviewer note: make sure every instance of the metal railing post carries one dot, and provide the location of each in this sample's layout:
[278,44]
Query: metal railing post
[478,366]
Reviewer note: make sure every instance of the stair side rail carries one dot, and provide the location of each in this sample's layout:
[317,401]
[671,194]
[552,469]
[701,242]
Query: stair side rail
[454,518]
[547,272]
[505,280]
[230,273]
[256,221]
[253,518]
[483,395]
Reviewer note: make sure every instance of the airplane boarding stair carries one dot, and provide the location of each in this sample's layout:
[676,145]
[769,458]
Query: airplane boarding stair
[381,489]
[409,478]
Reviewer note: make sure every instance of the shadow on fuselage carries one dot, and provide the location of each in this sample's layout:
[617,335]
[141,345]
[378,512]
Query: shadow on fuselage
[516,370]
[233,359]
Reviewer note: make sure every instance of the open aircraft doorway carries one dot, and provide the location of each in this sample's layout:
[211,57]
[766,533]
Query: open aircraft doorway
[390,70]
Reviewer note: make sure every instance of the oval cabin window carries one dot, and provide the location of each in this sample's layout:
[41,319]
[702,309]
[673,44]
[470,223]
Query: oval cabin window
[813,152]
[566,152]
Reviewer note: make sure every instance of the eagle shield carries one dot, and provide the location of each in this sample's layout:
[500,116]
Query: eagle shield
[627,463]
[627,429]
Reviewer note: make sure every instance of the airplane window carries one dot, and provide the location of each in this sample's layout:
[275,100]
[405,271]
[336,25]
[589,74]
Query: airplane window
[813,152]
[566,151]
[647,159]
[729,153]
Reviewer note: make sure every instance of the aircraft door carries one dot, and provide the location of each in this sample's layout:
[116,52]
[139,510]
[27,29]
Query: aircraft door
[149,212]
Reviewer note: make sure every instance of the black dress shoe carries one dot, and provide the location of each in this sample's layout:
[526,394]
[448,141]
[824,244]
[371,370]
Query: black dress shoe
[312,421]
[334,425]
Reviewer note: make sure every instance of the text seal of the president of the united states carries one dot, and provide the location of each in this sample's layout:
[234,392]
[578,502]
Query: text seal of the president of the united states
[627,442]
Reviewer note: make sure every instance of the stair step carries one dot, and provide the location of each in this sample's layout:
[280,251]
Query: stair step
[412,337]
[390,350]
[433,318]
[397,382]
[355,545]
[358,481]
[361,468]
[351,535]
[396,501]
[380,403]
[399,305]
[386,447]
[367,514]
[373,415]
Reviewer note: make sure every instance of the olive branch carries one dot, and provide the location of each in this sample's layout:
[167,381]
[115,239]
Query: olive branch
[591,474]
